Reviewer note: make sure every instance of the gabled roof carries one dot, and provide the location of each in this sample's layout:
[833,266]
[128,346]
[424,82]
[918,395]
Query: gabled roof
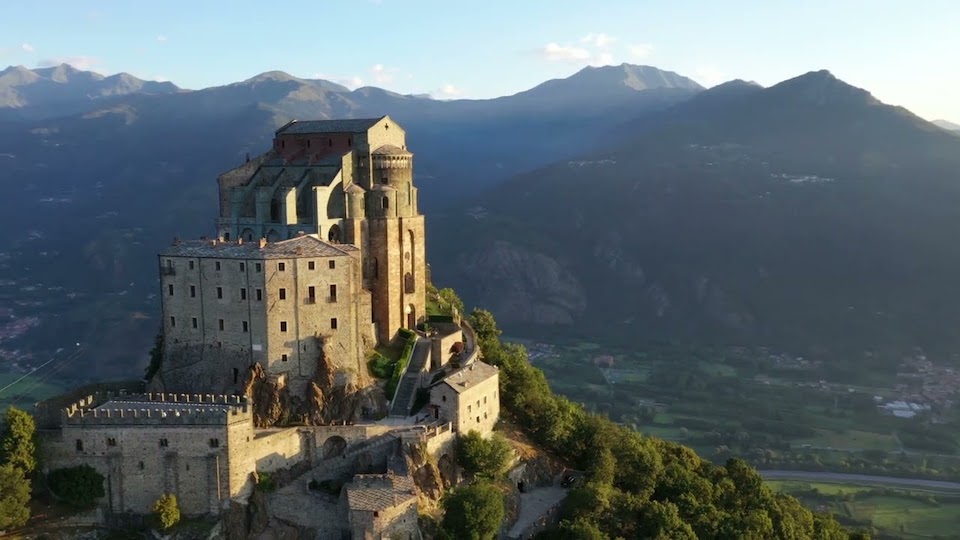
[351,125]
[470,376]
[307,245]
[370,492]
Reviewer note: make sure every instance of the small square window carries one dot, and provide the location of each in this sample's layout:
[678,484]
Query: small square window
[243,267]
[283,326]
[246,326]
[193,291]
[332,264]
[195,322]
[259,267]
[111,441]
[283,358]
[283,294]
[281,266]
[173,321]
[311,265]
[214,443]
[164,443]
[216,265]
[333,323]
[221,324]
[220,292]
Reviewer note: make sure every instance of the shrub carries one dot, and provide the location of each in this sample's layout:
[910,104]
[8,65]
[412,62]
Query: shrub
[14,497]
[402,362]
[166,512]
[78,486]
[379,366]
[486,458]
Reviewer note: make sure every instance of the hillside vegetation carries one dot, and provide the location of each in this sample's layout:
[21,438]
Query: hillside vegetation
[637,486]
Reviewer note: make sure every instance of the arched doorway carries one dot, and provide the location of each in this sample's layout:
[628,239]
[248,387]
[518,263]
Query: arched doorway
[247,235]
[333,447]
[411,316]
[334,235]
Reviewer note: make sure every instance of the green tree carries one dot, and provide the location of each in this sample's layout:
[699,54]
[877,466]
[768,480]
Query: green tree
[449,298]
[80,486]
[486,458]
[19,443]
[485,326]
[166,512]
[579,529]
[14,497]
[156,355]
[473,512]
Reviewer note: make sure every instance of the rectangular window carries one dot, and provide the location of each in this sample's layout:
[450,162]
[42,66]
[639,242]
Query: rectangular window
[283,326]
[333,293]
[216,266]
[333,264]
[243,267]
[283,294]
[333,323]
[220,292]
[259,268]
[259,295]
[311,266]
[221,324]
[164,443]
[170,290]
[191,265]
[311,294]
[214,443]
[243,293]
[246,326]
[281,266]
[111,441]
[79,445]
[283,358]
[194,322]
[193,291]
[173,321]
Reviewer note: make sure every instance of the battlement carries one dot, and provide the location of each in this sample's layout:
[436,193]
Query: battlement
[157,409]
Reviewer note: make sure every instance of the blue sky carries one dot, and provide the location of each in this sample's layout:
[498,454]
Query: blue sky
[905,52]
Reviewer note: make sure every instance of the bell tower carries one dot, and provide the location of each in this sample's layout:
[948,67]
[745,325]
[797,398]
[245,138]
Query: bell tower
[396,258]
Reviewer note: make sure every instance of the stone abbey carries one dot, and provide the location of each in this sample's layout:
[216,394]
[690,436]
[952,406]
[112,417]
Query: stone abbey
[319,257]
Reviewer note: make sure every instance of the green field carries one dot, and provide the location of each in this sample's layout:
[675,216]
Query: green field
[896,513]
[776,410]
[26,392]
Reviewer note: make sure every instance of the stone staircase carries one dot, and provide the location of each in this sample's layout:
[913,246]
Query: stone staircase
[407,389]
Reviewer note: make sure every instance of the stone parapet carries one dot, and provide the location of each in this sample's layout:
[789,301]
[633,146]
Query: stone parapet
[157,409]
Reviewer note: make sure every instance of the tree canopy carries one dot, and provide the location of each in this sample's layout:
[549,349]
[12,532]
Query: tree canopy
[473,512]
[166,511]
[80,486]
[19,447]
[14,497]
[483,458]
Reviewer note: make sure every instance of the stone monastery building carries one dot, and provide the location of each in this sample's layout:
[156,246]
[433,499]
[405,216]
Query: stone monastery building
[318,238]
[319,256]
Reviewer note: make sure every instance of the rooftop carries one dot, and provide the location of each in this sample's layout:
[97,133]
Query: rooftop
[374,492]
[470,376]
[353,125]
[391,150]
[308,245]
[166,406]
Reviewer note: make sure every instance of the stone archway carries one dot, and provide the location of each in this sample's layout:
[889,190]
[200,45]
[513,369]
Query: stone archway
[333,447]
[411,316]
[273,236]
[247,235]
[334,235]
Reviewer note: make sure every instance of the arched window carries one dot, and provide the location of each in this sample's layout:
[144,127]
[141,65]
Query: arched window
[384,202]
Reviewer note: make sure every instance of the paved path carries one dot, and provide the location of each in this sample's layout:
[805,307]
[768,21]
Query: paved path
[407,389]
[861,479]
[533,505]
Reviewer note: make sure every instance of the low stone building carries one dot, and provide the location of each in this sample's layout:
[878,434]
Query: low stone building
[381,506]
[200,447]
[468,398]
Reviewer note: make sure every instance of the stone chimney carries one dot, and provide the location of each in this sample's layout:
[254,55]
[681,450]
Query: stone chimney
[240,240]
[263,242]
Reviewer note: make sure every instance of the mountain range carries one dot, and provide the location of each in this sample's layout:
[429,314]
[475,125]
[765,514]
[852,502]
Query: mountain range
[622,202]
[947,125]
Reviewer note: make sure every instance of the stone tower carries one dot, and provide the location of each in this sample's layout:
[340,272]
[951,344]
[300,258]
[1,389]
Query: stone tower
[395,242]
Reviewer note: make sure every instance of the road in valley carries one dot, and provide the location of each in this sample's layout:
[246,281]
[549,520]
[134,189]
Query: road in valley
[838,478]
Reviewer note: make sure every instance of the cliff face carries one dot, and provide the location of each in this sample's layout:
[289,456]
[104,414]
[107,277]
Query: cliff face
[328,397]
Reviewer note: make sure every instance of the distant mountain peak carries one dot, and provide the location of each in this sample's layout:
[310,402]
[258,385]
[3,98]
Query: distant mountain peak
[275,75]
[946,124]
[633,76]
[822,88]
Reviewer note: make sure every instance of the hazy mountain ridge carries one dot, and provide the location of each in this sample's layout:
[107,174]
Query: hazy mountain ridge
[808,213]
[946,124]
[113,181]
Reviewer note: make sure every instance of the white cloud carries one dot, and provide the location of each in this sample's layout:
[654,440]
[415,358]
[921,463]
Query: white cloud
[640,50]
[161,38]
[600,39]
[27,47]
[381,75]
[448,91]
[84,63]
[351,82]
[709,76]
[161,78]
[602,59]
[555,52]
